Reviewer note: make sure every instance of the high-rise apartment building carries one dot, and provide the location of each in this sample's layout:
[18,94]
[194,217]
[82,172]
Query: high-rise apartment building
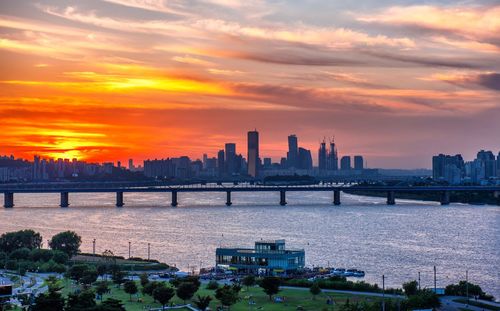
[358,162]
[221,166]
[305,159]
[345,163]
[230,160]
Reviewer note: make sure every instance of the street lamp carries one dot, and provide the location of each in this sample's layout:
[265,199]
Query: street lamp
[467,285]
[435,282]
[149,251]
[419,280]
[93,247]
[129,244]
[383,292]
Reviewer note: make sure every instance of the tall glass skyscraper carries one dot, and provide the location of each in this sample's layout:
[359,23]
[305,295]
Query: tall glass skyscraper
[253,153]
[293,152]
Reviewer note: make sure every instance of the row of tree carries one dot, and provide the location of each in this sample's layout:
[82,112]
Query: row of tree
[68,241]
[21,251]
[84,300]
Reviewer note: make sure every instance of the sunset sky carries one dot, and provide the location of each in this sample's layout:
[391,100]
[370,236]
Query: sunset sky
[395,81]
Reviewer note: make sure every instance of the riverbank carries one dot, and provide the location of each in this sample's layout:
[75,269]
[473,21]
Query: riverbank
[474,198]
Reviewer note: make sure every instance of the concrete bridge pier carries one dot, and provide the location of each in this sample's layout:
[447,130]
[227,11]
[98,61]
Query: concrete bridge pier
[8,199]
[119,199]
[391,198]
[336,197]
[64,199]
[445,198]
[496,194]
[174,199]
[282,197]
[228,198]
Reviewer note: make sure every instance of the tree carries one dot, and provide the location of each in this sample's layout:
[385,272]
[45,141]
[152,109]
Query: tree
[89,277]
[410,288]
[111,304]
[130,288]
[424,299]
[67,241]
[118,278]
[249,280]
[101,270]
[144,279]
[202,302]
[228,295]
[163,294]
[315,290]
[150,287]
[186,290]
[20,254]
[101,288]
[460,289]
[53,282]
[271,286]
[82,301]
[77,272]
[60,257]
[188,279]
[212,284]
[11,241]
[50,301]
[40,254]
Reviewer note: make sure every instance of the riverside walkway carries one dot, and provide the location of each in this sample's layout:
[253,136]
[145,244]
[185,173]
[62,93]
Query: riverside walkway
[64,188]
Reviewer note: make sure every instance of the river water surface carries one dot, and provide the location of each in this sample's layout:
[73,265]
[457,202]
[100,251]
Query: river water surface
[397,241]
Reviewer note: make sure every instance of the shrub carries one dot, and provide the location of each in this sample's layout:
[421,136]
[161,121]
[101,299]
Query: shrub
[20,254]
[60,257]
[212,285]
[40,254]
[11,264]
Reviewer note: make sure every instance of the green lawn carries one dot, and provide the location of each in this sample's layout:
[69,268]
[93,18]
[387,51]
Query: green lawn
[472,302]
[293,299]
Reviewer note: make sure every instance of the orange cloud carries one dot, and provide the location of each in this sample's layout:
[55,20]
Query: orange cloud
[468,21]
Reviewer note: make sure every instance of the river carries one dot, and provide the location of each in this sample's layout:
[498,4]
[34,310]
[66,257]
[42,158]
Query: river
[397,241]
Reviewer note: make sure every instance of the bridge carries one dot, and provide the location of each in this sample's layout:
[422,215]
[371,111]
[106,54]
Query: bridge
[65,188]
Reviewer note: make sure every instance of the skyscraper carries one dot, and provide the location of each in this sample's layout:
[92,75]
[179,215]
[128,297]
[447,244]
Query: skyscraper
[322,156]
[253,153]
[332,161]
[221,167]
[293,151]
[345,163]
[358,162]
[305,159]
[230,158]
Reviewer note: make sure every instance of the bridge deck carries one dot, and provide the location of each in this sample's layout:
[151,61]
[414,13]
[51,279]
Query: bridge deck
[88,187]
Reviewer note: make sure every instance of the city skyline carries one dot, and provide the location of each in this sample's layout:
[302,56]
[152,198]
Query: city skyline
[103,80]
[326,158]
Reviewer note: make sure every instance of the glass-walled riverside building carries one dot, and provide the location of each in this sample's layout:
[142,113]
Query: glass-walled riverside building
[267,257]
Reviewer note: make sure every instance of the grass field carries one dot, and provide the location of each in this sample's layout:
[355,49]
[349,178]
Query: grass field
[293,299]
